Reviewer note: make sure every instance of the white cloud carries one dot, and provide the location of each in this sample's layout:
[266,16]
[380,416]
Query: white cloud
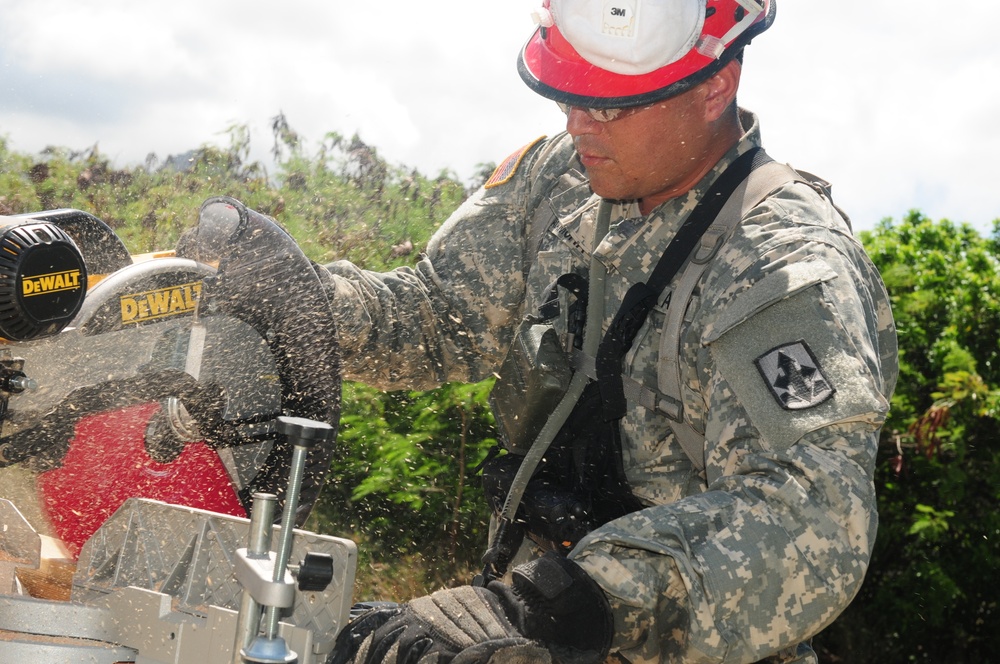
[893,104]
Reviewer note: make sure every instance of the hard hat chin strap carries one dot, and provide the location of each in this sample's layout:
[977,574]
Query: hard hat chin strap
[714,47]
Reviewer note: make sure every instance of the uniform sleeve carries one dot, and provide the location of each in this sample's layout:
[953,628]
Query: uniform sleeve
[794,365]
[451,317]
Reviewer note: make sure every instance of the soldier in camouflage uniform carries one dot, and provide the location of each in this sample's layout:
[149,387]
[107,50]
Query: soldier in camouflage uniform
[787,361]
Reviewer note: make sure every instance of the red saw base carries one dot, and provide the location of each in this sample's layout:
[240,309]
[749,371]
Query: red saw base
[107,463]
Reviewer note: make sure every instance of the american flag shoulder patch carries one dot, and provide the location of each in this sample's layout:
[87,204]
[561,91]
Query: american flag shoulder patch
[505,171]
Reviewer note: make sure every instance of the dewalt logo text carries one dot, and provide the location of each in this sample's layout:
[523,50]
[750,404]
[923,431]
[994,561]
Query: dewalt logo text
[160,303]
[50,283]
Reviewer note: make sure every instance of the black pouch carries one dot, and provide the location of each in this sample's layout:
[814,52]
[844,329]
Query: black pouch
[579,484]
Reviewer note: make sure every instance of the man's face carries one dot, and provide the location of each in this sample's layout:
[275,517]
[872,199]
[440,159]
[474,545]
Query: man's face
[650,153]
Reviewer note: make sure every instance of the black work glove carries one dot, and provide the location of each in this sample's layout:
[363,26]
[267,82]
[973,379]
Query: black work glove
[553,612]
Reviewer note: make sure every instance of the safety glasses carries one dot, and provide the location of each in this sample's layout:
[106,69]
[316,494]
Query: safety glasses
[604,114]
[599,114]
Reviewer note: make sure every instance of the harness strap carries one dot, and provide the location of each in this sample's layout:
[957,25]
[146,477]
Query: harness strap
[539,220]
[764,178]
[641,297]
[748,195]
[498,555]
[751,192]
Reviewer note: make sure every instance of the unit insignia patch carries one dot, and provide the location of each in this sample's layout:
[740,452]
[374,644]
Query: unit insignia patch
[794,376]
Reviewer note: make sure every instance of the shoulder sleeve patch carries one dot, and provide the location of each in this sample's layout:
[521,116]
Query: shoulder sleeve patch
[505,171]
[794,369]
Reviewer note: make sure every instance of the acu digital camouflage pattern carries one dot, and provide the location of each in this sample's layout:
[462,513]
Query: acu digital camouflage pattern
[748,561]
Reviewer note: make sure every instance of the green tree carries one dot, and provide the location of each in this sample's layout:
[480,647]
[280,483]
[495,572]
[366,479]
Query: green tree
[931,592]
[404,483]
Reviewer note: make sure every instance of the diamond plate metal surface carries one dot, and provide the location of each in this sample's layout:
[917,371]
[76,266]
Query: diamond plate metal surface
[188,554]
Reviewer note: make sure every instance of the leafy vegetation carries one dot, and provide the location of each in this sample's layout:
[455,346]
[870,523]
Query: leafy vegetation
[404,485]
[931,593]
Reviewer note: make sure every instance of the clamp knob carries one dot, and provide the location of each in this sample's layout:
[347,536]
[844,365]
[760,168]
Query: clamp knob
[303,432]
[315,572]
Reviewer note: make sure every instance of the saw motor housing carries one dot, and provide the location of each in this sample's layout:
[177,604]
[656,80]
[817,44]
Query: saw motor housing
[43,279]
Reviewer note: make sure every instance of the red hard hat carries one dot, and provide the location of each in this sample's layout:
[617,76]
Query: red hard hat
[621,53]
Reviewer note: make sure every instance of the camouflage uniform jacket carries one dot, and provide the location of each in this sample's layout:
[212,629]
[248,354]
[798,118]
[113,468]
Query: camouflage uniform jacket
[789,361]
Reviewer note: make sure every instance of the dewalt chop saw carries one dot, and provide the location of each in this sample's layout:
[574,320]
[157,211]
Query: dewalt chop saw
[148,405]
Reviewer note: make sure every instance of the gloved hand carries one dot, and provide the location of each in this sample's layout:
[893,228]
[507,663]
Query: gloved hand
[553,612]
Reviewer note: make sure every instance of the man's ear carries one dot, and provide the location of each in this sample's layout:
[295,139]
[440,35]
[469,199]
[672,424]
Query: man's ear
[720,90]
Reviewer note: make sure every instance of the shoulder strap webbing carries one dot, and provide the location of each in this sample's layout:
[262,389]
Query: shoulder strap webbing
[765,178]
[761,182]
[540,219]
[641,297]
[499,553]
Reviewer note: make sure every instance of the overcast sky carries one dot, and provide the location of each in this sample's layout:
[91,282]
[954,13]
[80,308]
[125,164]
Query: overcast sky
[896,103]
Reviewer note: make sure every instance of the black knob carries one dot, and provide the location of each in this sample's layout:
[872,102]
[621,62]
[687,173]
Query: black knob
[304,432]
[315,572]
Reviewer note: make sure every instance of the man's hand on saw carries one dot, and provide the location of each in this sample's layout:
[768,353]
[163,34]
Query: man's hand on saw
[553,612]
